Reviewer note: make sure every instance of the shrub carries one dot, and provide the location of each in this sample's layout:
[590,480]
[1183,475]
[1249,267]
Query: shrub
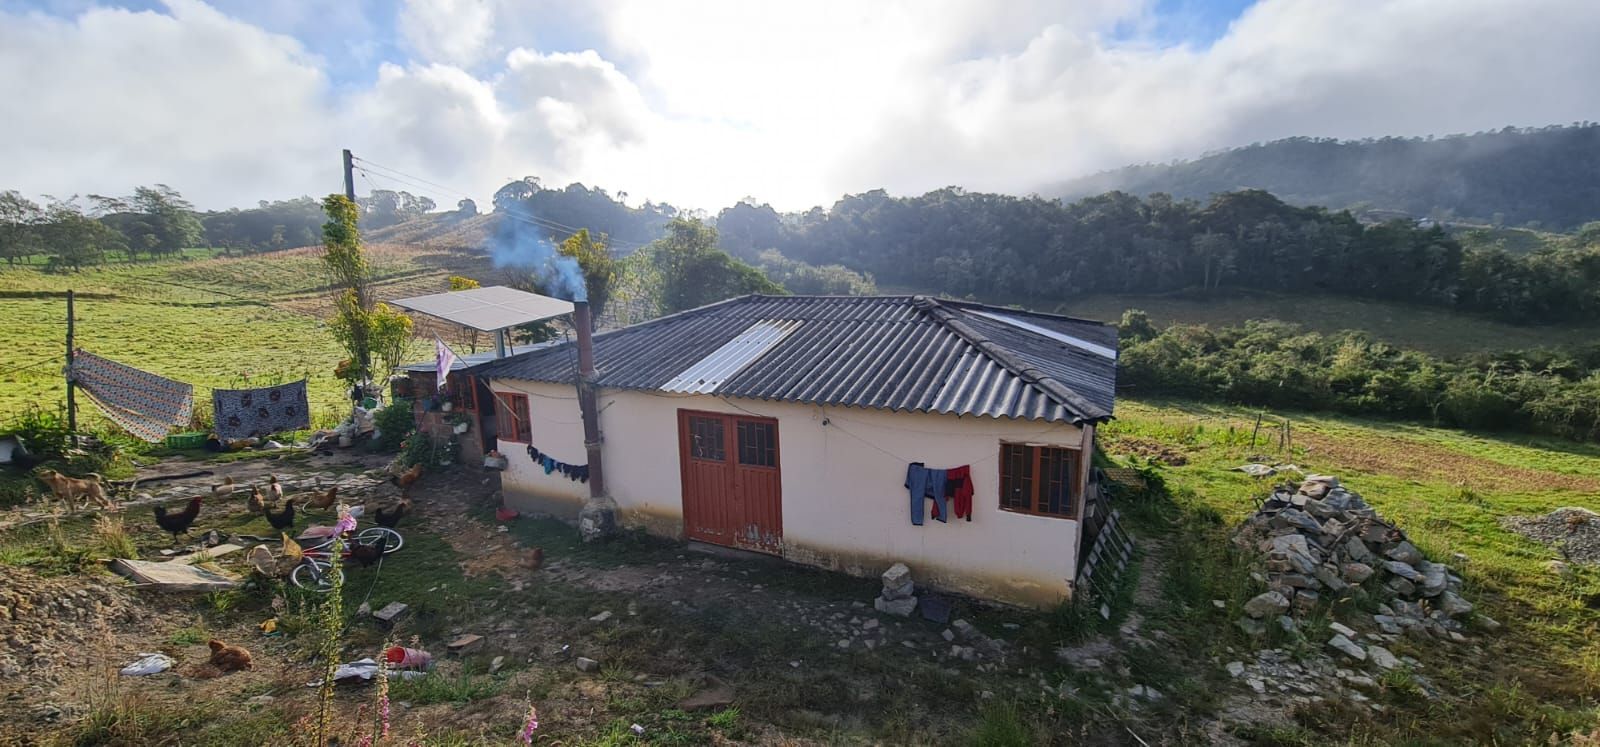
[395,424]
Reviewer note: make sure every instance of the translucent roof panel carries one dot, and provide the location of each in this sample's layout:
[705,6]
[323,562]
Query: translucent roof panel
[488,309]
[711,371]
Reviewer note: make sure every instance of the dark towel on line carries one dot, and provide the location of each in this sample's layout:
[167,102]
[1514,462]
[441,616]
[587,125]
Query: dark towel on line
[242,413]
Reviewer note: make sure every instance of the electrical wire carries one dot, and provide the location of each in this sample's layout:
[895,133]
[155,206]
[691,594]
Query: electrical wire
[35,364]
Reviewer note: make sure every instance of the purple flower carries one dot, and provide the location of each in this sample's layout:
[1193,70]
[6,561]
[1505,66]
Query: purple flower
[529,726]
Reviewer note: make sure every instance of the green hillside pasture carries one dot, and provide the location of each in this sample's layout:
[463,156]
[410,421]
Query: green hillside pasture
[1448,490]
[1432,330]
[223,346]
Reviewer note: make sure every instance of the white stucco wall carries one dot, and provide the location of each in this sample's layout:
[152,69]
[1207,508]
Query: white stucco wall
[845,506]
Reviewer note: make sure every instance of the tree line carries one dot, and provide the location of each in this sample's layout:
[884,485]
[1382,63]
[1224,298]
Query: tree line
[1547,177]
[1274,364]
[157,221]
[1030,249]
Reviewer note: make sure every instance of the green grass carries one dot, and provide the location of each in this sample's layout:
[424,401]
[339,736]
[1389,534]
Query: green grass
[437,687]
[1424,328]
[1448,490]
[223,322]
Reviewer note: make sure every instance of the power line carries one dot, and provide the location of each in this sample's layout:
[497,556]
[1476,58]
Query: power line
[35,364]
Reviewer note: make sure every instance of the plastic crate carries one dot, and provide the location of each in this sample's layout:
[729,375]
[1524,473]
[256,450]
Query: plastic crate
[186,440]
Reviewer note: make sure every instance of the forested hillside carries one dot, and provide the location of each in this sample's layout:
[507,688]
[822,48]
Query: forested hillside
[1547,177]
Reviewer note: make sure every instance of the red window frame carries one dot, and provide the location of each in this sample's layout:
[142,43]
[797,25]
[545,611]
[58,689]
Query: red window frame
[1040,480]
[511,417]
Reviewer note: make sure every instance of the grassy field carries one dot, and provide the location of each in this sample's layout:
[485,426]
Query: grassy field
[210,321]
[1428,329]
[1448,490]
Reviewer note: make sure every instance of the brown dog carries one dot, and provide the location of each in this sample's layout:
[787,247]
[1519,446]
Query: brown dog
[229,658]
[67,488]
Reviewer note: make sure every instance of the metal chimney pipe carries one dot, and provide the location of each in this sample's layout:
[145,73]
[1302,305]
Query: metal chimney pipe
[582,319]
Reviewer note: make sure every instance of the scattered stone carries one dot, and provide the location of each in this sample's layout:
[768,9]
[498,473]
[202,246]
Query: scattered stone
[1252,627]
[1287,624]
[1402,587]
[1342,629]
[1357,573]
[1405,552]
[1403,570]
[896,607]
[1258,686]
[1488,622]
[1266,604]
[496,664]
[1236,669]
[1453,605]
[260,700]
[717,694]
[948,634]
[602,617]
[965,629]
[870,625]
[844,643]
[586,664]
[391,613]
[1382,657]
[465,644]
[1348,647]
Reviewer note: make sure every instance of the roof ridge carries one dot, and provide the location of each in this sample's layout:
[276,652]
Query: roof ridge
[1083,409]
[1018,310]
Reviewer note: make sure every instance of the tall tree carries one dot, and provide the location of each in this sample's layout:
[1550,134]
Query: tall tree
[19,226]
[365,329]
[598,265]
[694,272]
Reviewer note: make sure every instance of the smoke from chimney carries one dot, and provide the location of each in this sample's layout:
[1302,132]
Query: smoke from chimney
[520,245]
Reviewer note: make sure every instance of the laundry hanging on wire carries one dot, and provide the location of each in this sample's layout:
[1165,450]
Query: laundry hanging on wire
[144,404]
[244,413]
[579,472]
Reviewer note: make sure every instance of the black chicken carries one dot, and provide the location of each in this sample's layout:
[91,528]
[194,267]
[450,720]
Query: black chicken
[390,517]
[366,555]
[179,522]
[284,519]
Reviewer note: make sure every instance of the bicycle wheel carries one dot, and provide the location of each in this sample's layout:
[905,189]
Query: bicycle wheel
[371,536]
[316,575]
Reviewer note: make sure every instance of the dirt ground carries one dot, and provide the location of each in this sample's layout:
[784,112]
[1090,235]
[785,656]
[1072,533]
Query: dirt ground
[638,640]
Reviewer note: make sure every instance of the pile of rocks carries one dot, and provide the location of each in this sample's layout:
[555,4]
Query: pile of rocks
[1322,539]
[1574,532]
[899,592]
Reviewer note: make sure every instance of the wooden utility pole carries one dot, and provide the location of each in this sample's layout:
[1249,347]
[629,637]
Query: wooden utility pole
[349,175]
[72,402]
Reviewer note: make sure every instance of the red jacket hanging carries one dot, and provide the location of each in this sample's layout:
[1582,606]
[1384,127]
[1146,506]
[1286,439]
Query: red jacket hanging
[959,486]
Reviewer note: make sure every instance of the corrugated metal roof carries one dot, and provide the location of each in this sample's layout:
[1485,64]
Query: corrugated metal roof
[887,352]
[487,309]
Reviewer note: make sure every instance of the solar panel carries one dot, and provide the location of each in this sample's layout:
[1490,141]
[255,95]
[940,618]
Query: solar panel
[488,309]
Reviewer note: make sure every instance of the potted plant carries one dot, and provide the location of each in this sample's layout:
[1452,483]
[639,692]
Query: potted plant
[459,422]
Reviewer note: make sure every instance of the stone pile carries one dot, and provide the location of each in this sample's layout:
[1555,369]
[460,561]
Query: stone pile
[1574,532]
[899,592]
[1321,539]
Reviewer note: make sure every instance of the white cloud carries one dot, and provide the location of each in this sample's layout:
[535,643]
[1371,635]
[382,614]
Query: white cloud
[112,99]
[702,103]
[451,31]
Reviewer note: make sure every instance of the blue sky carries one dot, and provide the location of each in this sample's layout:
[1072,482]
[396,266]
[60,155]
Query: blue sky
[702,102]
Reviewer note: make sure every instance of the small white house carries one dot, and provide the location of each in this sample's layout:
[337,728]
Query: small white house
[806,427]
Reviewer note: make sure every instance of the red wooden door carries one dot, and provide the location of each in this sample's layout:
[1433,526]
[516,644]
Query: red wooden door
[731,480]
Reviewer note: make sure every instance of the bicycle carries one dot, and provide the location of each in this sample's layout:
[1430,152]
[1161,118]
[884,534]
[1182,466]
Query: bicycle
[316,572]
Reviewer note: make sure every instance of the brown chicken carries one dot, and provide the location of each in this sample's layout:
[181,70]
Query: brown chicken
[180,521]
[256,504]
[406,478]
[366,555]
[390,517]
[323,501]
[229,658]
[222,489]
[283,519]
[534,559]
